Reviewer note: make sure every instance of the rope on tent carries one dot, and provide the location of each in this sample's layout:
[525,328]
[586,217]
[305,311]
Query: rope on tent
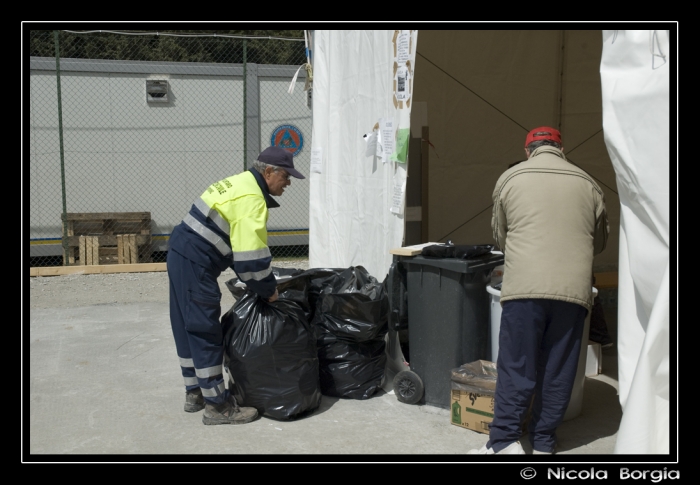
[654,43]
[307,66]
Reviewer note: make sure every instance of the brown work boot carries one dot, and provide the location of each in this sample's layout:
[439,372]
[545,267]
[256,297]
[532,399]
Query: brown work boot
[194,401]
[228,412]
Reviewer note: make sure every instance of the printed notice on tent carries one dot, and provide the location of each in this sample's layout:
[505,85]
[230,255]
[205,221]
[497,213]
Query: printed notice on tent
[316,158]
[402,47]
[403,75]
[387,129]
[397,196]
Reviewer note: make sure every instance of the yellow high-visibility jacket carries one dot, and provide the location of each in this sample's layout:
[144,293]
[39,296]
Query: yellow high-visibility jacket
[227,227]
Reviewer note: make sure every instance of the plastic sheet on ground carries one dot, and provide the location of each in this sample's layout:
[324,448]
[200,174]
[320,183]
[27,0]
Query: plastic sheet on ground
[478,376]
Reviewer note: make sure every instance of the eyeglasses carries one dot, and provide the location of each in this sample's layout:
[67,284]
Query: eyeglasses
[284,174]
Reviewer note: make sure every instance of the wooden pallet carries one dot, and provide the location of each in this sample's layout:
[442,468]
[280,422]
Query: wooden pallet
[107,238]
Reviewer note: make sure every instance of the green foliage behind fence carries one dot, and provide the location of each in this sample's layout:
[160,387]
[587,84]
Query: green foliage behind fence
[284,47]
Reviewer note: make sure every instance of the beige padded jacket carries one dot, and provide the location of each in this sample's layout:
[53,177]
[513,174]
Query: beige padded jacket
[549,219]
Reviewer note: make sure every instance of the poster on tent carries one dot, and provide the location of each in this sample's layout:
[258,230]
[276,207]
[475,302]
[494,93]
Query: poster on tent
[398,196]
[316,159]
[404,42]
[403,73]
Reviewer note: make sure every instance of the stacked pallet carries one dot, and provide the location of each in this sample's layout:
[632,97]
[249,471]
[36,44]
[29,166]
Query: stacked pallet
[94,238]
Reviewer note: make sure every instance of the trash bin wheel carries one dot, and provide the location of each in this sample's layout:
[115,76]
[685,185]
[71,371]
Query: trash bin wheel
[408,387]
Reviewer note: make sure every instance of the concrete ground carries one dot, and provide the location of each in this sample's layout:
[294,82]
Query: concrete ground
[103,384]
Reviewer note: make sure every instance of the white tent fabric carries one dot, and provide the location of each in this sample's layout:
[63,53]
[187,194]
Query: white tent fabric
[634,72]
[351,191]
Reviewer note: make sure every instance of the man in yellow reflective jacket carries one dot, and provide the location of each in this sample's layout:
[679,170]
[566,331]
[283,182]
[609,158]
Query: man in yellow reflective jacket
[225,227]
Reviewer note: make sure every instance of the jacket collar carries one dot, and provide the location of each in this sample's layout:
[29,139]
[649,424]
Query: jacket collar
[271,203]
[548,149]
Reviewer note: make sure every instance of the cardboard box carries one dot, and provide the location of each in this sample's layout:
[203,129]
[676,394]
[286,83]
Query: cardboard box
[472,410]
[472,389]
[472,392]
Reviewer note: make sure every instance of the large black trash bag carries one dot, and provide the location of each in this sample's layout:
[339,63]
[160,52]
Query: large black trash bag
[299,286]
[323,281]
[351,370]
[316,280]
[354,279]
[296,289]
[350,322]
[271,354]
[355,317]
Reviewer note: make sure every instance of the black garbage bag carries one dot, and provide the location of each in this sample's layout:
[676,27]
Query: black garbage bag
[348,312]
[351,370]
[459,251]
[270,352]
[296,289]
[354,317]
[350,322]
[236,291]
[302,287]
[354,279]
[282,274]
[292,286]
[318,280]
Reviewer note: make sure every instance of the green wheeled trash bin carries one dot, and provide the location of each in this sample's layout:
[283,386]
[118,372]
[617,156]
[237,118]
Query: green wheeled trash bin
[447,314]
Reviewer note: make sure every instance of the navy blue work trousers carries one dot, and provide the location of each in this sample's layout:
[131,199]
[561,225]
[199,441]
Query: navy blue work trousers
[195,312]
[538,352]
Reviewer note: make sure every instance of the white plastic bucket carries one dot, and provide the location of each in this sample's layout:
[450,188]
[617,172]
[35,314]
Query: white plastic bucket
[576,402]
[497,275]
[495,320]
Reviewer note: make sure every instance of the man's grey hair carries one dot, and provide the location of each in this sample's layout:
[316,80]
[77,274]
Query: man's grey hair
[536,144]
[261,166]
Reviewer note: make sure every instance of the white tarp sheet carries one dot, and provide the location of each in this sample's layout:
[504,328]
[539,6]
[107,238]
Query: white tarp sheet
[362,82]
[634,72]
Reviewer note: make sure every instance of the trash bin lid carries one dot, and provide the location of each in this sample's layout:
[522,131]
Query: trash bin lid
[481,263]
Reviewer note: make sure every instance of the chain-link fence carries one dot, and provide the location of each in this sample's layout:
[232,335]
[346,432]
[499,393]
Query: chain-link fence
[128,129]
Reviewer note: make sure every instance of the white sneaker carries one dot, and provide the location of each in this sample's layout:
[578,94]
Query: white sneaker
[482,451]
[535,452]
[514,448]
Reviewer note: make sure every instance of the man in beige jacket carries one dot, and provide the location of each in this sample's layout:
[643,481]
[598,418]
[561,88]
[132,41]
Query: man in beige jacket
[549,219]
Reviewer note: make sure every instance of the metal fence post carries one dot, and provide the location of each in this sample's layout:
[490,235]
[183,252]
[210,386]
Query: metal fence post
[245,105]
[252,103]
[60,144]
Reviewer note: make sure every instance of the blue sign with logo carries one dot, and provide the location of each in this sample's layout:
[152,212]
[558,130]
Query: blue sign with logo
[288,137]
